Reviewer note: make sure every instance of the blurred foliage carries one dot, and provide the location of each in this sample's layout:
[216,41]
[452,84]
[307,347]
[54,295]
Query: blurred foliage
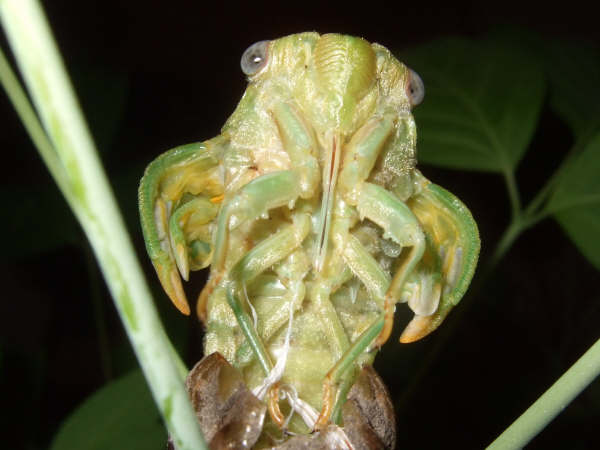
[575,201]
[482,103]
[121,415]
[573,69]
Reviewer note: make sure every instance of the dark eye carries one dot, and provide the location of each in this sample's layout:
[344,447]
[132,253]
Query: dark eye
[415,88]
[254,58]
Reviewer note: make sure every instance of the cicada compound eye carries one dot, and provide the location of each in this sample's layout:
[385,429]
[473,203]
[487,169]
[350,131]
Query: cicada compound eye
[415,89]
[254,58]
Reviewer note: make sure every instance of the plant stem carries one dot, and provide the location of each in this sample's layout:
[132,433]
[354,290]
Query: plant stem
[513,193]
[19,99]
[552,402]
[73,161]
[510,235]
[533,209]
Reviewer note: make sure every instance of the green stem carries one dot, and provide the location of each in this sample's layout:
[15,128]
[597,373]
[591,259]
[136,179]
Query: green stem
[513,193]
[537,202]
[19,99]
[506,241]
[523,222]
[552,402]
[73,161]
[546,190]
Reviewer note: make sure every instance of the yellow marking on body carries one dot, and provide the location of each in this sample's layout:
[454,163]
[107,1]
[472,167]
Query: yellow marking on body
[217,199]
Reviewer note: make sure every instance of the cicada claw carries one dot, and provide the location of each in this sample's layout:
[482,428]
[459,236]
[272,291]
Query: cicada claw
[171,283]
[176,212]
[162,260]
[421,326]
[273,406]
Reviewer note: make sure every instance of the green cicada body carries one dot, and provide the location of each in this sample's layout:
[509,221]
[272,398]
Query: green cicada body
[314,220]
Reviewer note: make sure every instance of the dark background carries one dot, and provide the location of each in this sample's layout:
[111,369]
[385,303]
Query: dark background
[153,75]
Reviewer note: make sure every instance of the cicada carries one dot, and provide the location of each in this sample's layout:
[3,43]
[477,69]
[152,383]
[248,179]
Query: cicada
[310,212]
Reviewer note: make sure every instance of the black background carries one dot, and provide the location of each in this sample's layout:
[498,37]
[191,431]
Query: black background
[153,75]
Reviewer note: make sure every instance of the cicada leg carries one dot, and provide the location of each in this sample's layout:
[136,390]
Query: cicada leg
[362,264]
[454,239]
[269,191]
[261,257]
[399,224]
[335,374]
[195,247]
[439,227]
[273,189]
[188,172]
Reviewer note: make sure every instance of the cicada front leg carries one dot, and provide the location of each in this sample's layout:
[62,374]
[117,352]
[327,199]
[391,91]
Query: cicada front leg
[452,246]
[179,198]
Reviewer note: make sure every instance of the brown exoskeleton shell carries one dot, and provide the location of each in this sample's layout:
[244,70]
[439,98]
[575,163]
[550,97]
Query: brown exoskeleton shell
[231,417]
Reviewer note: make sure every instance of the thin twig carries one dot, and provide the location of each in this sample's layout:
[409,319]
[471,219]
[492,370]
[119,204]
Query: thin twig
[552,402]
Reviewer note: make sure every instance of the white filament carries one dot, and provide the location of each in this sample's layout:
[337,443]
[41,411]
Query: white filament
[309,415]
[336,436]
[277,372]
[251,306]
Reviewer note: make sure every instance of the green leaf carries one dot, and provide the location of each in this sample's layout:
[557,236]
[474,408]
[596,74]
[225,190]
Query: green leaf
[574,73]
[121,415]
[575,202]
[482,103]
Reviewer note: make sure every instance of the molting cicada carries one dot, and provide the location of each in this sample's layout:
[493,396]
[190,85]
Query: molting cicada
[315,222]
